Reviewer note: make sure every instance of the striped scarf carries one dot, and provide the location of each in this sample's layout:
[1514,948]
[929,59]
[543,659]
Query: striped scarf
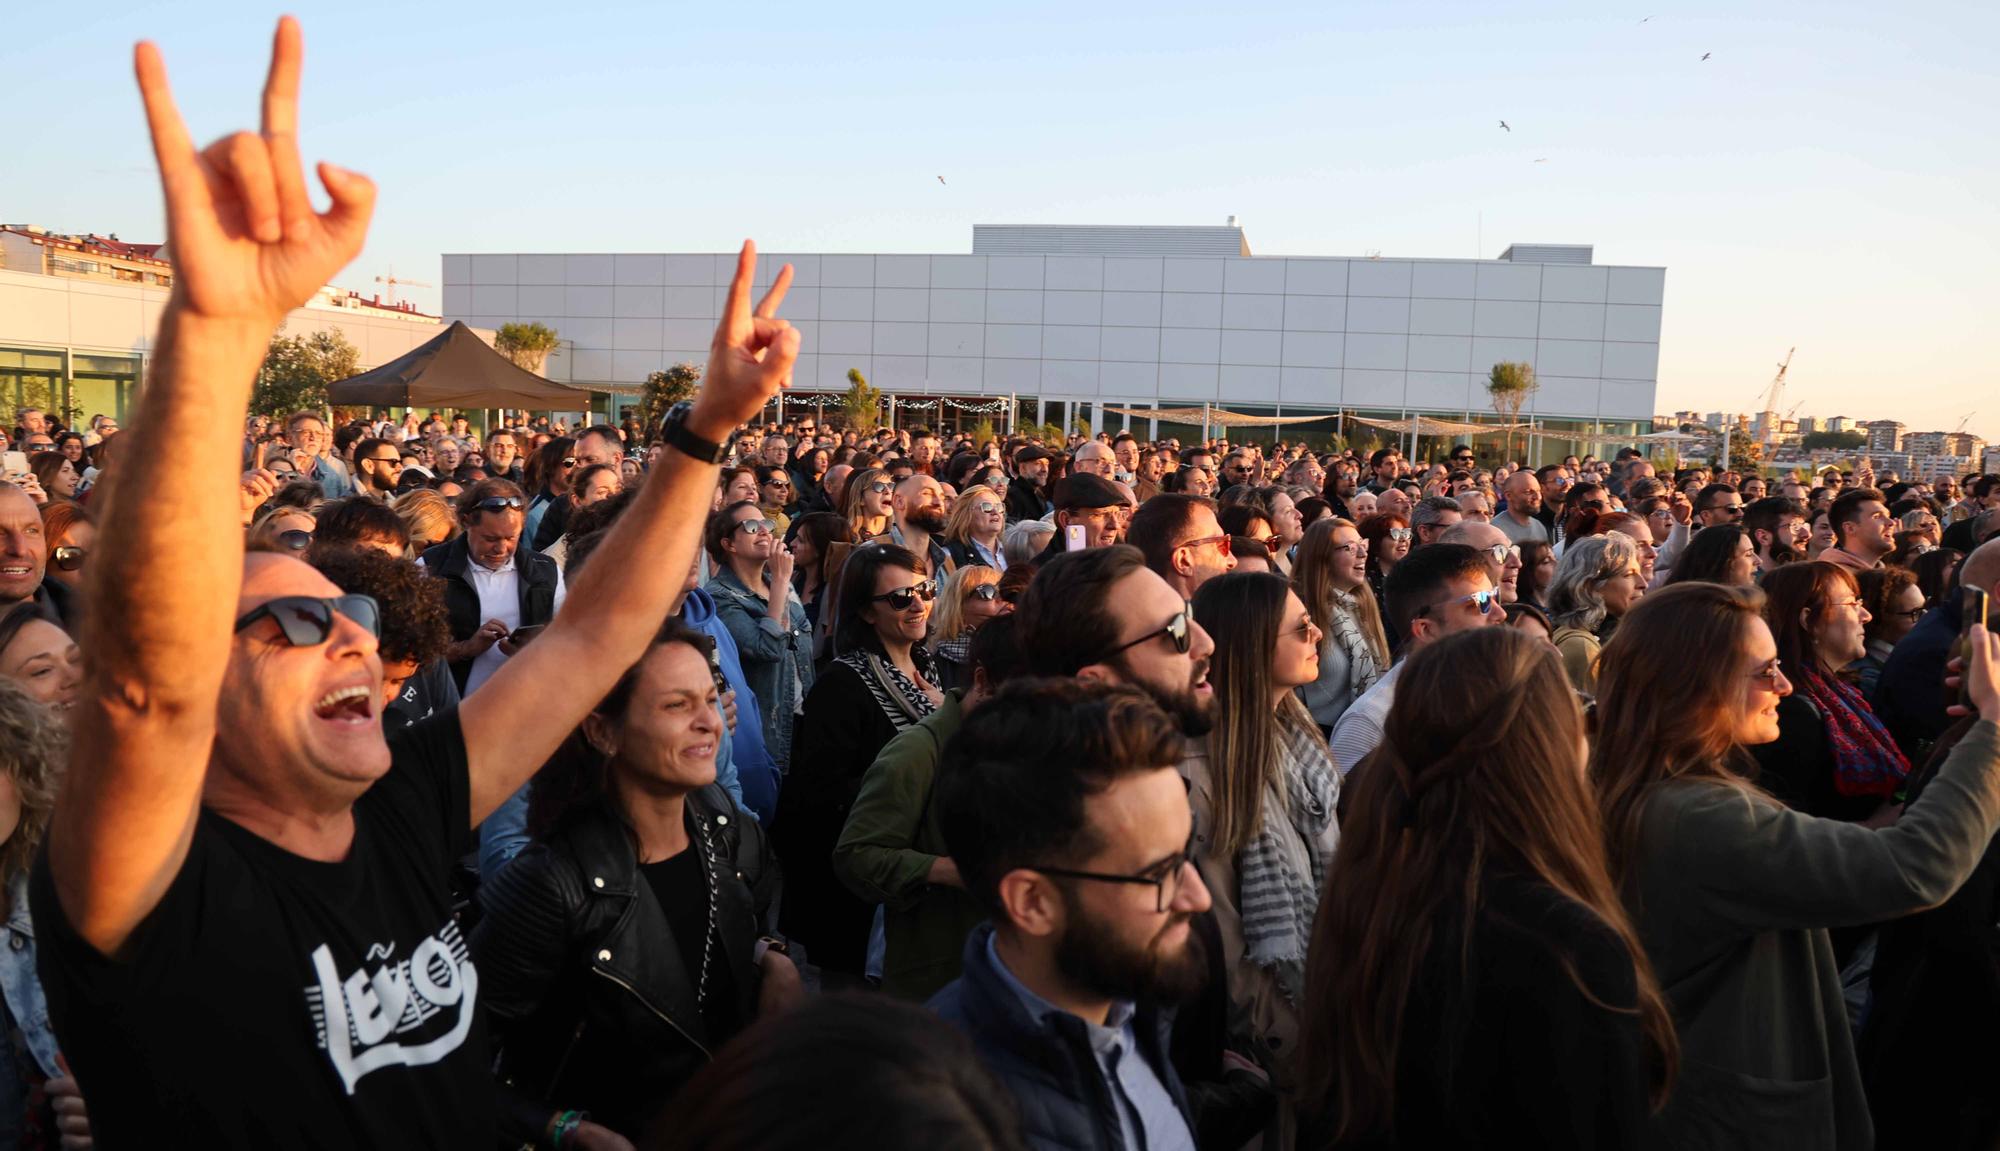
[1277,903]
[901,698]
[1362,670]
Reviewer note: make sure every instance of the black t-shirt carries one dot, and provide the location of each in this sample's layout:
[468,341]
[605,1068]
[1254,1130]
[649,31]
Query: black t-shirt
[681,886]
[214,1031]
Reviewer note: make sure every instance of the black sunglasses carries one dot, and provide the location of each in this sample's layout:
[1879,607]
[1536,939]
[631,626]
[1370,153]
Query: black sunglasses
[296,540]
[499,503]
[69,557]
[986,591]
[306,620]
[903,597]
[1176,629]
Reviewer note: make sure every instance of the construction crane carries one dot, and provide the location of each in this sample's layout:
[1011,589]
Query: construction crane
[1963,420]
[392,281]
[1770,409]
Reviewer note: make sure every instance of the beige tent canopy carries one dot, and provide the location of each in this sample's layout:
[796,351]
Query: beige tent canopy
[1215,417]
[1427,426]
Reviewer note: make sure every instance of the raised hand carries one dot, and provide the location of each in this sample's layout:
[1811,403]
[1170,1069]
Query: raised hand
[751,357]
[246,242]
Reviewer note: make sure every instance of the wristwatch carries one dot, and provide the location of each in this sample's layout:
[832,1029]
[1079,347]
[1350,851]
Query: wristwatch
[675,432]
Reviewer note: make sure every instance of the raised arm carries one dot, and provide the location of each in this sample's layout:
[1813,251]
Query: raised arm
[517,719]
[162,590]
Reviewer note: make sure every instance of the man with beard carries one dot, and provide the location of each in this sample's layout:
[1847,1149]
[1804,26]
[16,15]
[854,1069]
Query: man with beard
[1068,990]
[1027,497]
[917,520]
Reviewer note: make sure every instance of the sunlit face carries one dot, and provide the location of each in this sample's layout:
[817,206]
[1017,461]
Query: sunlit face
[1394,546]
[1764,683]
[742,486]
[1622,589]
[1743,565]
[1363,505]
[1393,502]
[1285,521]
[1295,655]
[1820,537]
[599,487]
[492,537]
[751,536]
[898,628]
[1350,563]
[1475,506]
[665,743]
[975,609]
[1839,628]
[989,515]
[43,659]
[1903,611]
[1201,482]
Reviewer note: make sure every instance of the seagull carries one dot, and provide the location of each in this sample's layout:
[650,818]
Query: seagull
[1706,55]
[1647,18]
[1503,124]
[941,181]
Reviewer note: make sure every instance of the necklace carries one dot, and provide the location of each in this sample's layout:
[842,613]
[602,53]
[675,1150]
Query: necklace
[708,932]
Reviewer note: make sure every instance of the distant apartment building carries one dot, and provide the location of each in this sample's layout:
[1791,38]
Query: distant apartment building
[1839,424]
[1808,425]
[1884,435]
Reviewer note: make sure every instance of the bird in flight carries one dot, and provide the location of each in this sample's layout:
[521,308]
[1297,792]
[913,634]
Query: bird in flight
[1706,55]
[941,181]
[1647,18]
[1503,124]
[1542,160]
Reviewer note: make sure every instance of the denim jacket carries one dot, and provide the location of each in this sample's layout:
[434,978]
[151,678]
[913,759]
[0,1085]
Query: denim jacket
[777,660]
[21,985]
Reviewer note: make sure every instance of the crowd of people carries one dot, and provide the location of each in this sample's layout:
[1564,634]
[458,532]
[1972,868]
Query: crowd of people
[725,782]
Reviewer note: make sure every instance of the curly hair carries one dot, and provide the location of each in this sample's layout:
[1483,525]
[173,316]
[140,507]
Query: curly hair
[415,628]
[34,745]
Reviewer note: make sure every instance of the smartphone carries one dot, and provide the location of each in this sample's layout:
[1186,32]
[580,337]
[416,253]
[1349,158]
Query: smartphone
[15,464]
[520,636]
[1073,538]
[1976,603]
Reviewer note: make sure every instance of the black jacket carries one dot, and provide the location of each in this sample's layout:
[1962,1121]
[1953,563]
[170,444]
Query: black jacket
[1049,1066]
[1025,501]
[448,561]
[591,1005]
[1910,697]
[554,523]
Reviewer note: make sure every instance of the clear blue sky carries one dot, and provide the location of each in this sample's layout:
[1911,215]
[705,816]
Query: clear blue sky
[1827,179]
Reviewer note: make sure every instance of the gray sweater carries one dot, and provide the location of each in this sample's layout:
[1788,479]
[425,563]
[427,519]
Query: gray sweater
[1733,894]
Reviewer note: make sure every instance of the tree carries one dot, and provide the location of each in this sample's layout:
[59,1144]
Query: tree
[297,370]
[982,431]
[1509,385]
[861,404]
[1837,441]
[664,390]
[528,345]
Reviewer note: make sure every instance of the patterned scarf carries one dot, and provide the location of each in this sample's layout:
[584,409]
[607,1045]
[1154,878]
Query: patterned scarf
[1362,670]
[901,698]
[1277,904]
[1866,760]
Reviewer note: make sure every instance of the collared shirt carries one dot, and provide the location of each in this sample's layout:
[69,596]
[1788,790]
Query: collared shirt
[995,559]
[936,556]
[1360,728]
[1147,1115]
[499,598]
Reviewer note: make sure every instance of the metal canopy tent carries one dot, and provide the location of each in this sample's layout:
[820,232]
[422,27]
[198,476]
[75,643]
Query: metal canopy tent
[1208,415]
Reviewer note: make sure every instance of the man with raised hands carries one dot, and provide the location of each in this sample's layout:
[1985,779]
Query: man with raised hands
[246,933]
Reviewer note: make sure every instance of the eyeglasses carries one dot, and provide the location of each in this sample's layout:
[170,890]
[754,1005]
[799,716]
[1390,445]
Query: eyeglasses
[1501,553]
[306,621]
[1177,629]
[296,539]
[1221,542]
[880,488]
[1306,628]
[1165,879]
[758,527]
[777,483]
[986,591]
[1485,599]
[1400,535]
[69,557]
[1835,604]
[1914,615]
[1358,547]
[1771,673]
[997,483]
[498,503]
[903,598]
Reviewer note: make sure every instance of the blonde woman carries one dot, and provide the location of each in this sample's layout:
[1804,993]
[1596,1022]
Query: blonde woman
[970,597]
[429,516]
[1331,578]
[867,511]
[972,532]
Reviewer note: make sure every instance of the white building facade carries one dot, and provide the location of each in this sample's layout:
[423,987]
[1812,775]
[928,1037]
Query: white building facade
[1066,321]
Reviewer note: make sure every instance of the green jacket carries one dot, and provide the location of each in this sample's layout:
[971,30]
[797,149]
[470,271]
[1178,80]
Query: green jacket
[885,854]
[1732,895]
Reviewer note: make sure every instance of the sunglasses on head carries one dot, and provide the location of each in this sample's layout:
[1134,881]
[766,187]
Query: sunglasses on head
[69,557]
[904,597]
[306,621]
[499,503]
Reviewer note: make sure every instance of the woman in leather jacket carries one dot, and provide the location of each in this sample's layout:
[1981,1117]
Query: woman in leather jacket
[623,946]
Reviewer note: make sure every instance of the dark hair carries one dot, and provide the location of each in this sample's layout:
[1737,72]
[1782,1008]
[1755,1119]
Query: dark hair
[1702,497]
[541,465]
[1375,459]
[578,773]
[1794,595]
[1237,518]
[1414,584]
[1879,587]
[1522,609]
[857,591]
[1937,573]
[1066,619]
[468,500]
[1245,548]
[587,527]
[369,444]
[905,1080]
[415,627]
[580,479]
[17,617]
[1531,559]
[1161,525]
[1709,554]
[996,650]
[718,527]
[1847,510]
[1310,509]
[1011,789]
[765,473]
[824,529]
[358,520]
[305,495]
[1763,516]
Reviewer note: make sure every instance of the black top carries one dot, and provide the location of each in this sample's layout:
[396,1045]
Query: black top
[680,883]
[1797,768]
[276,1001]
[1512,1053]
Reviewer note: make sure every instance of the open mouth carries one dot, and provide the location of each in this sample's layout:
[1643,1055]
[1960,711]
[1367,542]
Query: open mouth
[352,704]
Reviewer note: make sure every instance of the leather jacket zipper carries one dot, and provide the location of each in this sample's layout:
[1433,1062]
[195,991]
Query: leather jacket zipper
[661,1015]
